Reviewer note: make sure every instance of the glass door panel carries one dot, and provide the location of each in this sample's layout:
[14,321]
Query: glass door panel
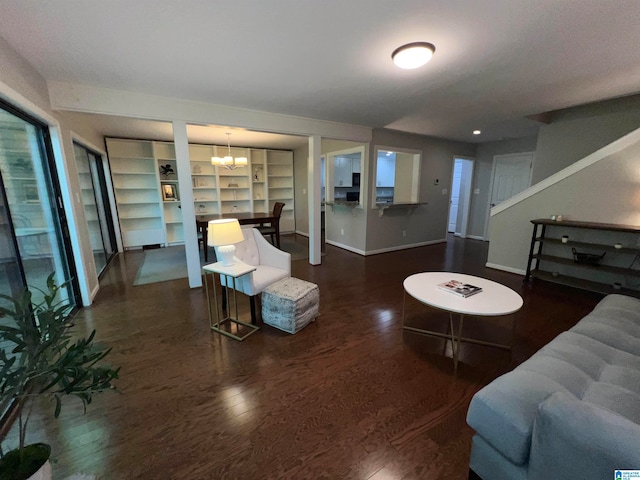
[31,204]
[11,278]
[96,205]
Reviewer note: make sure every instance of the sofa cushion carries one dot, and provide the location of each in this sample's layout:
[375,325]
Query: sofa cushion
[596,362]
[578,365]
[575,439]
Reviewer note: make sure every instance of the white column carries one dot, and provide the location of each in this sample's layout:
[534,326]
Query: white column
[181,144]
[313,184]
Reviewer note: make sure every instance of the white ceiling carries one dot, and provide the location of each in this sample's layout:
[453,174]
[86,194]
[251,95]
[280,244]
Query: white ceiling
[496,61]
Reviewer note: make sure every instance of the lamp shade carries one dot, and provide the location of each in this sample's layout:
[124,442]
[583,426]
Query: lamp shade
[224,232]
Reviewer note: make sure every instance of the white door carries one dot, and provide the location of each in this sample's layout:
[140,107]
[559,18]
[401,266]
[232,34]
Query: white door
[511,175]
[455,195]
[460,206]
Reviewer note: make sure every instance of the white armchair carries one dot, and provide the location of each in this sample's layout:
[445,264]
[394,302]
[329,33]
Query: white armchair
[271,265]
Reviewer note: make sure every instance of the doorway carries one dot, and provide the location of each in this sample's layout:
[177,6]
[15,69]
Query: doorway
[95,199]
[460,202]
[511,175]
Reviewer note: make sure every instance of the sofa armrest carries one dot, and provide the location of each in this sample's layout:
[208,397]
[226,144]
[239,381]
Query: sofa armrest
[576,439]
[270,255]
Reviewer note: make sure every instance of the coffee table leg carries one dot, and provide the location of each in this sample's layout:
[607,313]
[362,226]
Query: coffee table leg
[455,342]
[404,300]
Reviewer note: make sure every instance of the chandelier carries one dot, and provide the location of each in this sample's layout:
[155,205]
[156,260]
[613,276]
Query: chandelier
[228,161]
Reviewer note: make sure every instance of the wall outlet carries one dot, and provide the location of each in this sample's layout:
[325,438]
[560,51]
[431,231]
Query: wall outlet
[445,191]
[342,231]
[404,233]
[304,191]
[476,191]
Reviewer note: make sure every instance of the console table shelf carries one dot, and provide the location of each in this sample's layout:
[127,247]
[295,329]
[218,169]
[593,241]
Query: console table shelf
[551,256]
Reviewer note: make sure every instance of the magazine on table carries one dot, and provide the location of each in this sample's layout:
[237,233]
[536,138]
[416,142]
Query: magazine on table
[459,288]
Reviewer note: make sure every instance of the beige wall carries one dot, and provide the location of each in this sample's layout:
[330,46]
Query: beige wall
[427,223]
[605,192]
[575,133]
[23,80]
[482,172]
[364,230]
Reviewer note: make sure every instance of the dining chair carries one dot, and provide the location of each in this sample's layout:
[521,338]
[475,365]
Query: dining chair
[273,229]
[201,242]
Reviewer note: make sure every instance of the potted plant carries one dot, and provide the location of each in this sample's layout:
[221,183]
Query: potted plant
[40,357]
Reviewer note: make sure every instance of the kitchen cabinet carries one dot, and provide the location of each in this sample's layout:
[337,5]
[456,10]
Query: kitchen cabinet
[342,172]
[386,171]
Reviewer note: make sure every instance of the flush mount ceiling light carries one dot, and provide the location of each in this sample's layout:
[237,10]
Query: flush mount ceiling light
[477,132]
[413,55]
[228,161]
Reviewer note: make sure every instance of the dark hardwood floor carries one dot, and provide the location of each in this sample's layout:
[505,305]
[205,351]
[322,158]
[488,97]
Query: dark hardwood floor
[351,396]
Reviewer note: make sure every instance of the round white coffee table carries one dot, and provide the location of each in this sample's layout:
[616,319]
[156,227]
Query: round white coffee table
[495,299]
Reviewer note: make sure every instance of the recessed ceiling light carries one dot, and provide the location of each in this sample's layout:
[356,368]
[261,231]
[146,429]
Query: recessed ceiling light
[477,132]
[413,55]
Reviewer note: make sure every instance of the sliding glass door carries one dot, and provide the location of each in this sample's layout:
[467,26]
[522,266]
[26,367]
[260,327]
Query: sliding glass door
[33,238]
[96,205]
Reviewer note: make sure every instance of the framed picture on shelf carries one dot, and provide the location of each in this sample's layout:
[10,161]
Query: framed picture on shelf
[169,192]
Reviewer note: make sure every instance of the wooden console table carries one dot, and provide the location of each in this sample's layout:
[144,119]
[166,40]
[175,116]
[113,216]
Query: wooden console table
[552,257]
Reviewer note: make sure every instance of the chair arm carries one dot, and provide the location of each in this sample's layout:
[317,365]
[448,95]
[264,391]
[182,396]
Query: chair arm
[270,255]
[576,439]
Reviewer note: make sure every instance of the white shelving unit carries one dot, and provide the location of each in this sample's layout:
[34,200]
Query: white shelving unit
[258,161]
[234,185]
[204,180]
[136,185]
[147,217]
[165,155]
[280,185]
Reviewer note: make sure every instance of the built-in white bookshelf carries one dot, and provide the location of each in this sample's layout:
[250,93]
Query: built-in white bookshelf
[280,185]
[136,186]
[203,180]
[148,197]
[167,167]
[259,192]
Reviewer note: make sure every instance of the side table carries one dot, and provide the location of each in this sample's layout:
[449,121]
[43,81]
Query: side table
[233,272]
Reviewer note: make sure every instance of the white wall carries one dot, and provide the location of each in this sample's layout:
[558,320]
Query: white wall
[605,191]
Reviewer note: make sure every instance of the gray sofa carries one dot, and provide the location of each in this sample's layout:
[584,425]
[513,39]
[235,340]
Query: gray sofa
[572,410]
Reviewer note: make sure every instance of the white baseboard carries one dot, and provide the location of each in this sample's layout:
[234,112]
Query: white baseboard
[346,247]
[506,269]
[304,234]
[476,237]
[93,293]
[404,247]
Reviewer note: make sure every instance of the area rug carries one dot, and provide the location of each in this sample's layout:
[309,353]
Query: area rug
[162,265]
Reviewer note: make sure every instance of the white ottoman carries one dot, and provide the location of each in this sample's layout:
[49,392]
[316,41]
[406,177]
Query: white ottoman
[290,304]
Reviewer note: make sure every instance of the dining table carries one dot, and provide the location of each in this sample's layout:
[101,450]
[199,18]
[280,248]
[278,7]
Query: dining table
[244,218]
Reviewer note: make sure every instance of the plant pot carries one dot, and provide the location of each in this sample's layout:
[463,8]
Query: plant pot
[43,474]
[35,464]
